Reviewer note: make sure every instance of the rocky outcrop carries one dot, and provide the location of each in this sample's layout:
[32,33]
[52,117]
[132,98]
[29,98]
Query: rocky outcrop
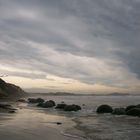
[10,90]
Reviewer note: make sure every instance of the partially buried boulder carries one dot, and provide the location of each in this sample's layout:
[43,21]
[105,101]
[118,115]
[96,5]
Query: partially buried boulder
[104,109]
[47,104]
[72,108]
[61,106]
[119,111]
[35,100]
[133,112]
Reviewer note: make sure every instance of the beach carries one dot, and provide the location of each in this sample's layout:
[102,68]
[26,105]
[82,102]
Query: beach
[30,122]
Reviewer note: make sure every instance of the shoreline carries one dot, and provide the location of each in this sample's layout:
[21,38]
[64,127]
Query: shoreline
[42,125]
[48,123]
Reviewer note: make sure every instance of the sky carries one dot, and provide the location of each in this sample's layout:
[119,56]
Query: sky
[82,46]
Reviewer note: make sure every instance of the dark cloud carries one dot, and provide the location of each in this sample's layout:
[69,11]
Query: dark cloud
[93,41]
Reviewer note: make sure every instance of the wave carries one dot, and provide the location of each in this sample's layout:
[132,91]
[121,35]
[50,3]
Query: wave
[73,136]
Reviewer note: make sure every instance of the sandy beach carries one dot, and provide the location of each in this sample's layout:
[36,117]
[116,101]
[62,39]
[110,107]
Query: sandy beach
[30,124]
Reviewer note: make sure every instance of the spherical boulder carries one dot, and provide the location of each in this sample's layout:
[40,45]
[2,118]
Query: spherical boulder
[72,108]
[130,107]
[119,111]
[61,106]
[104,109]
[133,112]
[53,102]
[40,100]
[47,104]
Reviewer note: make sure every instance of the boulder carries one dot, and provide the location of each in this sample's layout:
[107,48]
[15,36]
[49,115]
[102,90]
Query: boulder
[47,104]
[72,108]
[133,112]
[130,107]
[35,100]
[61,106]
[104,109]
[40,104]
[119,111]
[53,102]
[21,100]
[58,123]
[138,106]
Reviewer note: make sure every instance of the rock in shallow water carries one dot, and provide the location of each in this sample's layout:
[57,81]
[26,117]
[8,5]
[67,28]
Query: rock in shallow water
[130,107]
[104,109]
[61,106]
[133,112]
[35,100]
[119,111]
[72,108]
[47,104]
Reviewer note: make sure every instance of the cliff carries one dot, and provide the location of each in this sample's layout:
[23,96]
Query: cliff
[10,90]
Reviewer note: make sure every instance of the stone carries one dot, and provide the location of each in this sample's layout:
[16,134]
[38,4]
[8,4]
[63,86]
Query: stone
[72,108]
[104,109]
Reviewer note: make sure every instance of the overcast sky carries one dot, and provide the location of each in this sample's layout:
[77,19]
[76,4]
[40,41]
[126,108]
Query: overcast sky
[71,45]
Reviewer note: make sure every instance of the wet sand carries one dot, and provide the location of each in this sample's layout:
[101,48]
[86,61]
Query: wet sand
[31,124]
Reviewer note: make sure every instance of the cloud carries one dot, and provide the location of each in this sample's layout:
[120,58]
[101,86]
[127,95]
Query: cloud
[91,41]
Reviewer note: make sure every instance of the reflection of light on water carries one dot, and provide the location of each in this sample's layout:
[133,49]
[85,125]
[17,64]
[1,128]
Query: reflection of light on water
[30,118]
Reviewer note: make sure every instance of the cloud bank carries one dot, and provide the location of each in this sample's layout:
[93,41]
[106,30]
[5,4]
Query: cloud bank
[92,41]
